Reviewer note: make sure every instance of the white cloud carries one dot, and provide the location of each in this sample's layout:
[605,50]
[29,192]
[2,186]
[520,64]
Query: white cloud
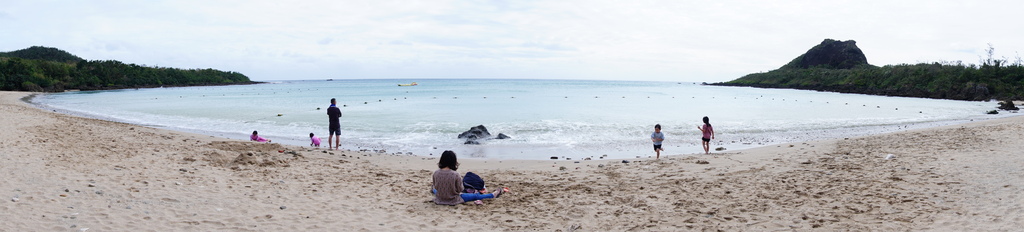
[646,40]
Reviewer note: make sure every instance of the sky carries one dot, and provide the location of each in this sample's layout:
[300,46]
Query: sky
[676,40]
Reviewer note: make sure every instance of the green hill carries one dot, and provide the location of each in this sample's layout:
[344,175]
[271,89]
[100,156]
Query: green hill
[838,66]
[50,69]
[43,53]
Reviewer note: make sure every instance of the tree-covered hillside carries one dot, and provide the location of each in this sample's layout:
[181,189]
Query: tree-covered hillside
[50,69]
[43,53]
[993,78]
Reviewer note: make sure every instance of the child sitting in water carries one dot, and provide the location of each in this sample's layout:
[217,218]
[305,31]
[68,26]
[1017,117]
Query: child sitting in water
[257,138]
[314,141]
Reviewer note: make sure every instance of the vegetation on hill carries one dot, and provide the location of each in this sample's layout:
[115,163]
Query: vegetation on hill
[43,53]
[830,54]
[50,69]
[994,78]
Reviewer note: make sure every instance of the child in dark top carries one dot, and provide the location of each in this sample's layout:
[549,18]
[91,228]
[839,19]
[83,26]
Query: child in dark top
[447,184]
[707,134]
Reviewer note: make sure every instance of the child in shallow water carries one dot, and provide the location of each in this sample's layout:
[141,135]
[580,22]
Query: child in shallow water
[314,141]
[707,134]
[255,137]
[657,137]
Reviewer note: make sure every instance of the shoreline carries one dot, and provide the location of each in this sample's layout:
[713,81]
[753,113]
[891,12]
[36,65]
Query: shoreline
[516,151]
[71,173]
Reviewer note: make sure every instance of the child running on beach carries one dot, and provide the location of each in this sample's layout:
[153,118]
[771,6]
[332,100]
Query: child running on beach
[657,137]
[708,134]
[448,187]
[255,137]
[314,141]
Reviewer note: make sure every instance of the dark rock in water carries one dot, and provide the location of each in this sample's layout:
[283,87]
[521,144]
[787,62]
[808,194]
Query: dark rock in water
[479,133]
[472,142]
[1007,105]
[554,157]
[476,132]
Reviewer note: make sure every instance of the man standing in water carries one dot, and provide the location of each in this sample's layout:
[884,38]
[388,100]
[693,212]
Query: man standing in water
[334,129]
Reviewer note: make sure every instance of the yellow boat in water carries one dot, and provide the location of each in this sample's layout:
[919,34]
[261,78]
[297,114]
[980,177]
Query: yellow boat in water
[413,84]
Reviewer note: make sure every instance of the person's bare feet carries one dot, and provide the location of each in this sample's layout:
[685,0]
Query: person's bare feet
[501,191]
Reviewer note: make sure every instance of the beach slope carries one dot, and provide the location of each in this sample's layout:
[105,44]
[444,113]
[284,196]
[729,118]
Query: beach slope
[69,173]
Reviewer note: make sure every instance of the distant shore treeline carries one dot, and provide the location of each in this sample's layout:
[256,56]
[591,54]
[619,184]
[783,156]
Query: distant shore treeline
[992,79]
[50,69]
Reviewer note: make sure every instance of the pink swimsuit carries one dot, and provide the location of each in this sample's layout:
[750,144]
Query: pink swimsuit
[257,138]
[708,131]
[316,140]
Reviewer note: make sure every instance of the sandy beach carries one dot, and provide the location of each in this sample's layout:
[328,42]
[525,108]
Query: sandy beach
[66,173]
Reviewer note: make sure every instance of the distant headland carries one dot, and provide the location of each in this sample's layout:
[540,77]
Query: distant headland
[53,70]
[840,66]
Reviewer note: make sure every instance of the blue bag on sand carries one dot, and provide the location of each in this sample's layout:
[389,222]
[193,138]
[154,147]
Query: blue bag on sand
[473,181]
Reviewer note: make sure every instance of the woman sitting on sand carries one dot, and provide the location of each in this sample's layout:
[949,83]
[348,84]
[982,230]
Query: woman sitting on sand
[448,188]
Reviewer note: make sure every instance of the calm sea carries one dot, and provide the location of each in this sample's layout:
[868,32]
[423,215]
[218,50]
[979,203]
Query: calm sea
[545,118]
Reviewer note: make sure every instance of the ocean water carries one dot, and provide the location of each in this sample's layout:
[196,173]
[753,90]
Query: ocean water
[545,118]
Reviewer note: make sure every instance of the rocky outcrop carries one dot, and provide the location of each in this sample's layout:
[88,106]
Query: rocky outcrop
[479,133]
[830,54]
[1007,105]
[840,66]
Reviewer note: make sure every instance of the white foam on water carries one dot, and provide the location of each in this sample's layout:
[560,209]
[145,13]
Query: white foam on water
[545,118]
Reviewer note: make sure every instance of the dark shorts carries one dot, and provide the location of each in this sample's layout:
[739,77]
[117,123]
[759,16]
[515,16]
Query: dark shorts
[705,139]
[334,130]
[657,147]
